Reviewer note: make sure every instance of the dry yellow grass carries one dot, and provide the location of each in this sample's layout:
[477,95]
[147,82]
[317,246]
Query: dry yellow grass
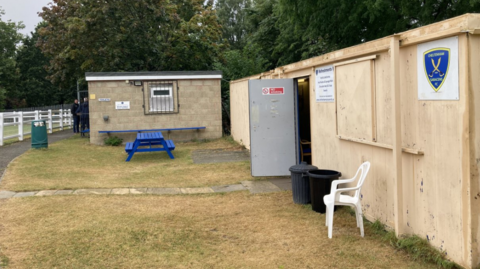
[235,230]
[74,163]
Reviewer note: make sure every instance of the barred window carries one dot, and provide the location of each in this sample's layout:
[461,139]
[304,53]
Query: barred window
[162,97]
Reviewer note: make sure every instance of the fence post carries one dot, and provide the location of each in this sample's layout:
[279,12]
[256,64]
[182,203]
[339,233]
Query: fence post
[1,129]
[37,115]
[60,113]
[70,118]
[20,125]
[50,123]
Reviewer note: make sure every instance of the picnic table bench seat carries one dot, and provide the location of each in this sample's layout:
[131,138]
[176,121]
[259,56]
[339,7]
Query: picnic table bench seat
[129,145]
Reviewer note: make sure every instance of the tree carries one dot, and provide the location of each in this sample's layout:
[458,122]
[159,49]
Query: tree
[232,15]
[238,64]
[9,39]
[33,85]
[343,23]
[143,35]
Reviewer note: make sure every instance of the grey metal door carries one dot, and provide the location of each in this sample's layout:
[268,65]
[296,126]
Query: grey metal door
[272,126]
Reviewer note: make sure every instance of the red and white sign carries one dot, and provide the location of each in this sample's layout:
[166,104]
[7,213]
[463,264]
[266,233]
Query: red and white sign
[268,91]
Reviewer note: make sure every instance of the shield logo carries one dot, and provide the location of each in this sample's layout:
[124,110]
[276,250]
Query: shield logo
[436,62]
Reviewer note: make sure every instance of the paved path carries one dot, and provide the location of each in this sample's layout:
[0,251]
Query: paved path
[10,152]
[272,185]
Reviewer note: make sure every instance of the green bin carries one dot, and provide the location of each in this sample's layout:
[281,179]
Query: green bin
[39,134]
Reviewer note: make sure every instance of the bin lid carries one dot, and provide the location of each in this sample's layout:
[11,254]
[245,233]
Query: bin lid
[324,174]
[302,168]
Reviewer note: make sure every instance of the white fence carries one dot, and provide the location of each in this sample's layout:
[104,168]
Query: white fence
[17,124]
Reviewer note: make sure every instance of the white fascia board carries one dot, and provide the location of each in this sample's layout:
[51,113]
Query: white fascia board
[111,78]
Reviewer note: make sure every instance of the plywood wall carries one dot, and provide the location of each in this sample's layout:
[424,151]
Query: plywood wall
[239,112]
[441,187]
[474,121]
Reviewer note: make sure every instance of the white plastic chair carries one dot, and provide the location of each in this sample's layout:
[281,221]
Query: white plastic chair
[336,198]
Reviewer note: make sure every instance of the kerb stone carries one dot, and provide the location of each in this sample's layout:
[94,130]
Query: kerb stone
[229,188]
[24,194]
[63,192]
[161,191]
[260,186]
[46,193]
[93,191]
[196,190]
[120,191]
[6,194]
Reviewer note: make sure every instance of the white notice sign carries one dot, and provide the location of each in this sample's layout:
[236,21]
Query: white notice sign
[122,105]
[437,70]
[324,84]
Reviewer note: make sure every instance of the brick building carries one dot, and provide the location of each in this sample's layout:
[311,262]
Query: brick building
[155,100]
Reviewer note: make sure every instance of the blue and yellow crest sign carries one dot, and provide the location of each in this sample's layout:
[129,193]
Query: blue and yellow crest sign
[436,62]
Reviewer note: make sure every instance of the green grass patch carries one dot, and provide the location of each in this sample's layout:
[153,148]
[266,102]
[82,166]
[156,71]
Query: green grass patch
[74,163]
[418,248]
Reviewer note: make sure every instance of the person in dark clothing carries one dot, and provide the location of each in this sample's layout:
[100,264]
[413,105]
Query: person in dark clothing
[84,116]
[76,118]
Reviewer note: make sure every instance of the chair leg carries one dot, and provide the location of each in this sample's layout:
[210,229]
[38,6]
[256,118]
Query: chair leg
[330,220]
[357,216]
[360,219]
[326,217]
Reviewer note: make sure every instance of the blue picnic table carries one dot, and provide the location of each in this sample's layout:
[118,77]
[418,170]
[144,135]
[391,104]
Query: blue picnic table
[149,142]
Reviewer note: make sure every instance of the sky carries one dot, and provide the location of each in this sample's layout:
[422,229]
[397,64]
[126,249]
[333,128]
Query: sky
[23,10]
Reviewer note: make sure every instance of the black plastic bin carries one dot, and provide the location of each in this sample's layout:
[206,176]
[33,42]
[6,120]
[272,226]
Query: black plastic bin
[301,182]
[320,185]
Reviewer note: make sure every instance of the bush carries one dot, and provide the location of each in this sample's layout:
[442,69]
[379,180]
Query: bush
[113,141]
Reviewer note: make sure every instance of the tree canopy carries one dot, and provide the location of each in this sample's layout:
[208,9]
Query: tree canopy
[142,35]
[239,37]
[9,39]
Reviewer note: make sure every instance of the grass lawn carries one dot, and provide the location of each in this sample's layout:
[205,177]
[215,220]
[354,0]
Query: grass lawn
[75,164]
[235,230]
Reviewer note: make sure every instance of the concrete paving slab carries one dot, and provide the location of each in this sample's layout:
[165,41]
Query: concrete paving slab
[260,186]
[219,156]
[196,190]
[163,191]
[229,188]
[120,191]
[6,194]
[92,191]
[63,192]
[283,183]
[46,193]
[138,190]
[24,194]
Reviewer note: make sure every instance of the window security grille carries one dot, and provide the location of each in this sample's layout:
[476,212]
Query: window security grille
[160,97]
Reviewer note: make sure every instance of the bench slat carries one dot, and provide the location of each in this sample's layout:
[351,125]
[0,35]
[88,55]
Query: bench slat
[153,130]
[170,144]
[129,147]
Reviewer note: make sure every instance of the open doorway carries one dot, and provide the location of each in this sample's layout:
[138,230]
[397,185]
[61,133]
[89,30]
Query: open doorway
[302,86]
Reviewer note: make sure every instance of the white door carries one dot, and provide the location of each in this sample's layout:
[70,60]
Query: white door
[272,126]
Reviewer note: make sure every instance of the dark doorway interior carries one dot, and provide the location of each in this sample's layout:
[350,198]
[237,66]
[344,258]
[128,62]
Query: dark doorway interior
[303,112]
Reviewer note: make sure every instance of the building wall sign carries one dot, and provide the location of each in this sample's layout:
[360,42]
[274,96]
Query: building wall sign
[437,70]
[122,105]
[324,84]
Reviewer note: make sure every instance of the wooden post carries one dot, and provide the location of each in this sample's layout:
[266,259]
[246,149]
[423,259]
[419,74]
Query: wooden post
[20,125]
[397,134]
[37,115]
